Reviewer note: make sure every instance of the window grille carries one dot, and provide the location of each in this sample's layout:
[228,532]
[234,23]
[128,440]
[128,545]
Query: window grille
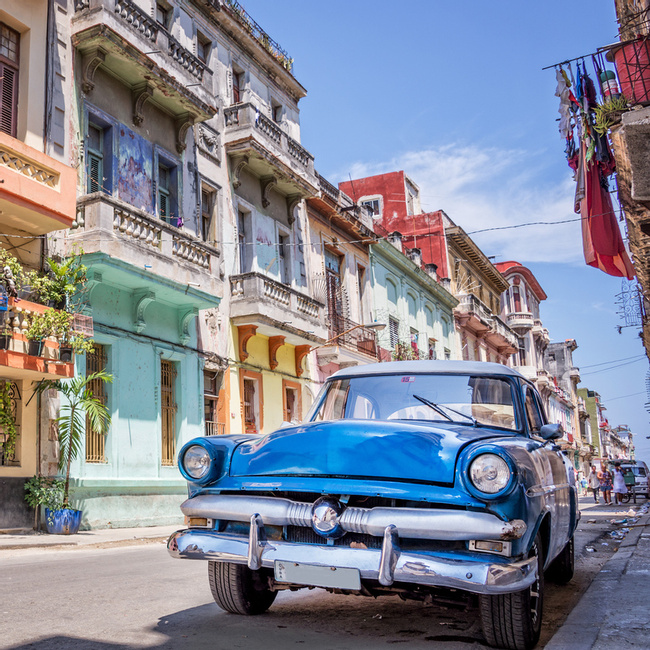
[169,408]
[96,442]
[393,328]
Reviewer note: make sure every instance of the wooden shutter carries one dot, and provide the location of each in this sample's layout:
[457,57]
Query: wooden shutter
[9,99]
[95,173]
[163,204]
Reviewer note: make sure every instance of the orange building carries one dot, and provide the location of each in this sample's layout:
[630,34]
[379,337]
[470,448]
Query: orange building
[37,196]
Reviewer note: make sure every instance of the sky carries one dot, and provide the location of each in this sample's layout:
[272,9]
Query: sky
[455,94]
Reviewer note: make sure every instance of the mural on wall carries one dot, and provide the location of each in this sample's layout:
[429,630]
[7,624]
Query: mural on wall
[265,249]
[135,185]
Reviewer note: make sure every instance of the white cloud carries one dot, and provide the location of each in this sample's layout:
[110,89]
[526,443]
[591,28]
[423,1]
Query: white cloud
[482,188]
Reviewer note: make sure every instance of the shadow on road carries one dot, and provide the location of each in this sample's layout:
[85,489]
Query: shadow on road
[313,620]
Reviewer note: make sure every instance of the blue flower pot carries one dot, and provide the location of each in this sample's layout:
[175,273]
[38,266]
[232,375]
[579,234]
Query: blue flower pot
[62,522]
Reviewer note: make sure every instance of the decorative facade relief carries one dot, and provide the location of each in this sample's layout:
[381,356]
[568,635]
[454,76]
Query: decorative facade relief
[209,142]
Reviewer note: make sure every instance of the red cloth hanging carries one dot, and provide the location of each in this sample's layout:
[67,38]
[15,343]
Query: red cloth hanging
[601,237]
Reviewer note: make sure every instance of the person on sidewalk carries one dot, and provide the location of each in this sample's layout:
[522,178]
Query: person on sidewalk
[605,478]
[594,482]
[619,483]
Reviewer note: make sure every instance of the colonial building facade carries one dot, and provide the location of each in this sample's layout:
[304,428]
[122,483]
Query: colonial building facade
[37,196]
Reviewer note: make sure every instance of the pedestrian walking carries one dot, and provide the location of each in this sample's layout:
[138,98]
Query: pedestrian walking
[583,485]
[619,483]
[605,478]
[594,482]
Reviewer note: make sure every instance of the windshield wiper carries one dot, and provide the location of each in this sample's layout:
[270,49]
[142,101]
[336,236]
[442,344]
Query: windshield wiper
[435,407]
[438,409]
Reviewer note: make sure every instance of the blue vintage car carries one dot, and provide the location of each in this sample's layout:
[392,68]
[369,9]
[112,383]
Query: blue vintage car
[408,478]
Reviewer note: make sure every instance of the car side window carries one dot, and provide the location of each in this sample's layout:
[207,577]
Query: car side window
[533,414]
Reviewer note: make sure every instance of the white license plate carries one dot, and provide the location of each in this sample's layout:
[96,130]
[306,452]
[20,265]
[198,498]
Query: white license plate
[318,576]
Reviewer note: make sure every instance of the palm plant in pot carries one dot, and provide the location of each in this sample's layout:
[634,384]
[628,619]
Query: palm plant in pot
[80,409]
[44,491]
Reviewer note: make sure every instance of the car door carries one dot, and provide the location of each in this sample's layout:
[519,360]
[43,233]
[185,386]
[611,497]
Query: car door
[556,480]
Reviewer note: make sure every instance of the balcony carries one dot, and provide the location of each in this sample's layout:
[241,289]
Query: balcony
[353,344]
[118,36]
[257,143]
[16,360]
[134,249]
[37,193]
[503,337]
[521,320]
[341,210]
[475,316]
[214,428]
[276,309]
[574,374]
[542,380]
[540,332]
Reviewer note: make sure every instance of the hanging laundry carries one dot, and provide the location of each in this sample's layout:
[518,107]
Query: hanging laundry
[564,93]
[601,237]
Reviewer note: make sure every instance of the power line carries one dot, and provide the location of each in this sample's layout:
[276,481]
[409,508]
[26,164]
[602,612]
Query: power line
[624,396]
[605,363]
[594,372]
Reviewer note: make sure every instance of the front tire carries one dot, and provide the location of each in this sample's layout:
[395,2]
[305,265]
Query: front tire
[239,590]
[563,566]
[514,621]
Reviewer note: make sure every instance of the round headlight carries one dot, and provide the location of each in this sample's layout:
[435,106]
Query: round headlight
[489,473]
[196,461]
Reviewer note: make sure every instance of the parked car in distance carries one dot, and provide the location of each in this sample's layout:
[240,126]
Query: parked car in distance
[425,479]
[641,474]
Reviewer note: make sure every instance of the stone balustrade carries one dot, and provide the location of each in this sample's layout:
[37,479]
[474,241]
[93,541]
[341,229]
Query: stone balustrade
[246,119]
[262,299]
[144,240]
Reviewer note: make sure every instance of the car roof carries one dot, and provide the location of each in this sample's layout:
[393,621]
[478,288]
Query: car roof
[429,367]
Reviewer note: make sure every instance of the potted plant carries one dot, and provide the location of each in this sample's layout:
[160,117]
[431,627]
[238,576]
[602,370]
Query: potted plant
[8,431]
[6,334]
[52,322]
[74,343]
[44,491]
[80,408]
[609,113]
[62,280]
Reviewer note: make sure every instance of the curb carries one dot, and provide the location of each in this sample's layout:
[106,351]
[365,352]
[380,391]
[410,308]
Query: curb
[92,545]
[582,627]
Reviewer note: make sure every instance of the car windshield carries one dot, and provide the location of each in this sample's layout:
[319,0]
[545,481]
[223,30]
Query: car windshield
[467,399]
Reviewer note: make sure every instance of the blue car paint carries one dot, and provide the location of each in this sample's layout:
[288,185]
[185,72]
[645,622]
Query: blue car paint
[408,451]
[418,461]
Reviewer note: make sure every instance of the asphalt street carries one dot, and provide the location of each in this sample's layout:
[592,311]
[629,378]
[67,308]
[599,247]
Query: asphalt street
[115,596]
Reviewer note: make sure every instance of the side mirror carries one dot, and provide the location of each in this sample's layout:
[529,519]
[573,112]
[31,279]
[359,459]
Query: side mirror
[551,431]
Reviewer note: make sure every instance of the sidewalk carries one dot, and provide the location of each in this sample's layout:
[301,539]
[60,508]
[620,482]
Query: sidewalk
[101,538]
[613,612]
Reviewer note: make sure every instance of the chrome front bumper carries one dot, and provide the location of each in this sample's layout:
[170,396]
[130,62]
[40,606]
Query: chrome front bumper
[415,523]
[387,565]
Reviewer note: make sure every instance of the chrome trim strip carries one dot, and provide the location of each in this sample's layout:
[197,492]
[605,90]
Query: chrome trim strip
[541,490]
[416,523]
[473,576]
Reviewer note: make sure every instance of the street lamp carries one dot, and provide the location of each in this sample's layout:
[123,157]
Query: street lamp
[373,326]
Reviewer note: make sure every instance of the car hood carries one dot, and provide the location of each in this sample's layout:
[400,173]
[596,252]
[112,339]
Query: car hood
[358,449]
